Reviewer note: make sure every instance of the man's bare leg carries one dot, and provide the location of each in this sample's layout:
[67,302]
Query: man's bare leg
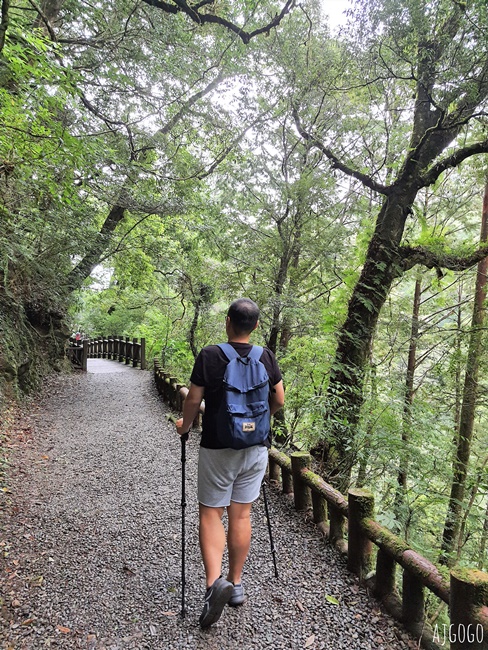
[212,541]
[238,538]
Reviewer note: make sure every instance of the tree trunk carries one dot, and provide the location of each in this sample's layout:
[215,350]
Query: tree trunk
[373,396]
[461,461]
[281,278]
[472,497]
[407,406]
[484,539]
[193,327]
[382,266]
[457,389]
[83,269]
[4,20]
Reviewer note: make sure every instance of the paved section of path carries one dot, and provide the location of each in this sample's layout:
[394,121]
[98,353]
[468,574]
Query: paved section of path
[103,366]
[91,539]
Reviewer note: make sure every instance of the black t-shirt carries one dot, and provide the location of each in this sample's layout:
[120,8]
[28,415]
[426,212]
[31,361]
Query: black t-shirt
[209,370]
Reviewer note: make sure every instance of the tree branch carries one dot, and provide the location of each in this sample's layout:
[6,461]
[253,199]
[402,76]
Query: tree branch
[452,161]
[366,180]
[412,255]
[44,19]
[193,12]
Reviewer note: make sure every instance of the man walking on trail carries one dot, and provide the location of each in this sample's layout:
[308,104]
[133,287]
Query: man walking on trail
[227,477]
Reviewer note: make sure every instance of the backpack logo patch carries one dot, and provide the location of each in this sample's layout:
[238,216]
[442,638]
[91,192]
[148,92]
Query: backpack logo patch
[248,426]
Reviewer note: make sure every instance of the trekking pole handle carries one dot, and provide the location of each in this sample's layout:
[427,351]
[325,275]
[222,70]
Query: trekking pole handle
[184,436]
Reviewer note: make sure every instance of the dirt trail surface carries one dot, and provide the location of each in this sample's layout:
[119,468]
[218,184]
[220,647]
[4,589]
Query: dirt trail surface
[91,530]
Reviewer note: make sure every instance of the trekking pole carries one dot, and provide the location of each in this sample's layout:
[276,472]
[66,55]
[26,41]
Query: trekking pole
[273,552]
[184,438]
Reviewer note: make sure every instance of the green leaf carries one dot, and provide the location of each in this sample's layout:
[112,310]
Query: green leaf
[331,599]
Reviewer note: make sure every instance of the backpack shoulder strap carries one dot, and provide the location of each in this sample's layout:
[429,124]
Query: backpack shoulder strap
[256,352]
[229,351]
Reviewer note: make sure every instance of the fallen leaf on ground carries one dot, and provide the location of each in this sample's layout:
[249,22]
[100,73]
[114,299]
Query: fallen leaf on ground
[332,600]
[300,606]
[62,629]
[169,613]
[310,641]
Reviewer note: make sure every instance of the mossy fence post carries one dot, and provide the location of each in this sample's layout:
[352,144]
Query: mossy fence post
[280,461]
[274,471]
[302,496]
[468,602]
[360,547]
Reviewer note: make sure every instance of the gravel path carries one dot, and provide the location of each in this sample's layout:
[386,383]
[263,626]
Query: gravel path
[91,540]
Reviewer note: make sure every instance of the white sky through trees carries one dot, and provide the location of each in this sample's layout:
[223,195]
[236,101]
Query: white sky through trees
[335,9]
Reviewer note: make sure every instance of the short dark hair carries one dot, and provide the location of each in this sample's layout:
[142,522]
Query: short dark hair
[243,314]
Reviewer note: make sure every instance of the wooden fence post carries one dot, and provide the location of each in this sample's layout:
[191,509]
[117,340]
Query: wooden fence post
[413,606]
[179,397]
[128,348]
[143,353]
[173,395]
[360,548]
[469,592]
[337,522]
[274,472]
[135,353]
[286,481]
[384,583]
[319,505]
[84,362]
[300,460]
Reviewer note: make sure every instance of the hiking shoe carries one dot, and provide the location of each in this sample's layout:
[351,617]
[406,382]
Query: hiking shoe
[237,598]
[216,598]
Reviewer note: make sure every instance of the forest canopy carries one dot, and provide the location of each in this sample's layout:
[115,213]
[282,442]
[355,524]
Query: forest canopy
[159,159]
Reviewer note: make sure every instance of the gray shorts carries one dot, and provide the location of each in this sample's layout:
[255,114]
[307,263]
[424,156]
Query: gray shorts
[226,475]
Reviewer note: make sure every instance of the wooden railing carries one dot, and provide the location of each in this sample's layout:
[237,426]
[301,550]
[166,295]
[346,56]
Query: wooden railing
[123,349]
[465,591]
[349,525]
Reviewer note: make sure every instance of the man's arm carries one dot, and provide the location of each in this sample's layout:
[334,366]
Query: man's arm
[191,406]
[276,398]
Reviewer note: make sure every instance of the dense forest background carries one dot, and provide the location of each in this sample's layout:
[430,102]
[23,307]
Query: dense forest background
[159,159]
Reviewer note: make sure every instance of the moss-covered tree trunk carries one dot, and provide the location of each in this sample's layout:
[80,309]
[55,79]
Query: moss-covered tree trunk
[382,266]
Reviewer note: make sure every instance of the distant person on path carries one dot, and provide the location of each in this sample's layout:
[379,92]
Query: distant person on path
[228,477]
